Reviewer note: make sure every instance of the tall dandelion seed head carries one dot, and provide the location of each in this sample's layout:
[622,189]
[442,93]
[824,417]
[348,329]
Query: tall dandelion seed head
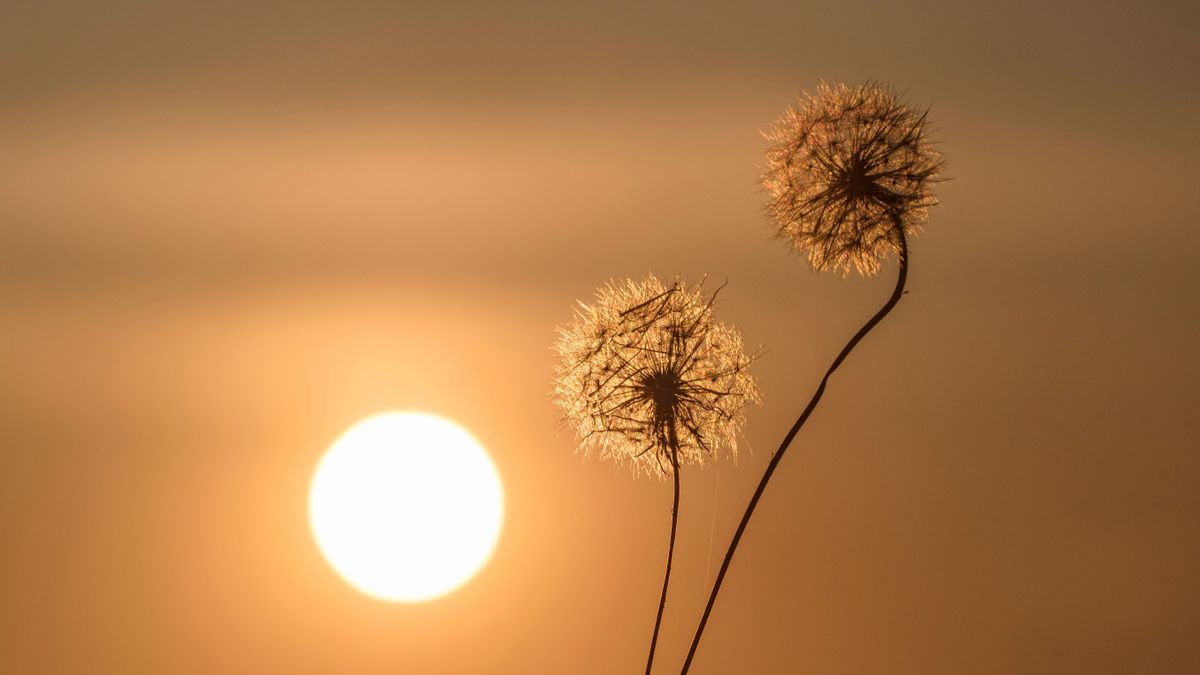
[645,367]
[844,170]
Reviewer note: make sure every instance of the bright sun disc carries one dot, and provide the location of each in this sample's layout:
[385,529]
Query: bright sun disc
[406,506]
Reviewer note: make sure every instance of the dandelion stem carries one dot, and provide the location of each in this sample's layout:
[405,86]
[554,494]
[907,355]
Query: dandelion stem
[787,440]
[673,441]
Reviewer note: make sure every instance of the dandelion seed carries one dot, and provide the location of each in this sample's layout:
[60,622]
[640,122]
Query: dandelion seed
[646,370]
[847,168]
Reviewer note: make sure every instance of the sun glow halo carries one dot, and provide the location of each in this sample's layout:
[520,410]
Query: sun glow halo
[406,507]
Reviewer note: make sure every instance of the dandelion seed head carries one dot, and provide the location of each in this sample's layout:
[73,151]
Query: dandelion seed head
[845,169]
[644,366]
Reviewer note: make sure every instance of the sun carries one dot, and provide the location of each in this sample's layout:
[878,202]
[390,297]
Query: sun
[406,506]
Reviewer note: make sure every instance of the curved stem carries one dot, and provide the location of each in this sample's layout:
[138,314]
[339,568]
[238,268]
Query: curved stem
[787,440]
[662,601]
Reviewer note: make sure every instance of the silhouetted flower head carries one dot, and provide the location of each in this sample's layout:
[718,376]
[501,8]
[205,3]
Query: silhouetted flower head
[845,169]
[646,366]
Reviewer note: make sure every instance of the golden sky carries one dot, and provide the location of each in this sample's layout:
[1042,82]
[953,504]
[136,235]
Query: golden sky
[229,231]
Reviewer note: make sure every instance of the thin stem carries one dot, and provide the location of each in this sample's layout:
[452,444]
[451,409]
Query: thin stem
[787,440]
[662,601]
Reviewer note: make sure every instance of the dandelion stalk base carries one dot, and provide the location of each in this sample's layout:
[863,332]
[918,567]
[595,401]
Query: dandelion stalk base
[787,440]
[662,601]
